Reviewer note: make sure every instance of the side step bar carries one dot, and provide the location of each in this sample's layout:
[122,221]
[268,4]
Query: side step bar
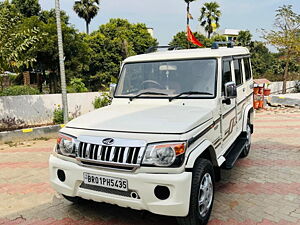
[234,152]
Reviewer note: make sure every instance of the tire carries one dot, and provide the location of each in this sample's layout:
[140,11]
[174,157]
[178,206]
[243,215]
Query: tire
[247,148]
[199,215]
[74,200]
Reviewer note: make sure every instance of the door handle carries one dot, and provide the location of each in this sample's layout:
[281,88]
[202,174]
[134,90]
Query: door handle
[244,89]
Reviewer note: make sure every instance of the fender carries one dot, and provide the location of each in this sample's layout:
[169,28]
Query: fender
[249,108]
[198,150]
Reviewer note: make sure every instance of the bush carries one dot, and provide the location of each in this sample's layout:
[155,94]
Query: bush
[102,101]
[58,116]
[19,90]
[76,86]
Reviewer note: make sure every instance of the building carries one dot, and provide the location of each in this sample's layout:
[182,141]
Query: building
[230,34]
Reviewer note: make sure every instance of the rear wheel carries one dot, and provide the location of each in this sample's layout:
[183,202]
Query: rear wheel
[202,194]
[247,147]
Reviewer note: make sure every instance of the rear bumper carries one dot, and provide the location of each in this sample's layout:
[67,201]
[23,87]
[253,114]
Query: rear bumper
[142,183]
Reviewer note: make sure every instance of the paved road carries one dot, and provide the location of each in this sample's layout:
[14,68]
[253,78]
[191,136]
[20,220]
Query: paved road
[263,189]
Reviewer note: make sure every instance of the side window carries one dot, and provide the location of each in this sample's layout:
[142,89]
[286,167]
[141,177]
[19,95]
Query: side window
[247,68]
[226,77]
[238,71]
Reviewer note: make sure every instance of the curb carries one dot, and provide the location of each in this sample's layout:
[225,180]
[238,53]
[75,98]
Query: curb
[30,133]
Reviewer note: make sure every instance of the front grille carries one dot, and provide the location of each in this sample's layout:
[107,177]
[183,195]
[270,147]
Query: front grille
[119,156]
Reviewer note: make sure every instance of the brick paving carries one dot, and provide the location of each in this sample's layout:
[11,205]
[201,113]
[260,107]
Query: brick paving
[263,189]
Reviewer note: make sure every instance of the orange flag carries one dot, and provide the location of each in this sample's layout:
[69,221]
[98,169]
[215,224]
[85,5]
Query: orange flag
[192,38]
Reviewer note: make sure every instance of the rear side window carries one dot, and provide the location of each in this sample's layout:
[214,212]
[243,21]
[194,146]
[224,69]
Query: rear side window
[238,71]
[226,77]
[247,68]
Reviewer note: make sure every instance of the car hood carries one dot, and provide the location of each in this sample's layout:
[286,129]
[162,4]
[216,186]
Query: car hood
[163,119]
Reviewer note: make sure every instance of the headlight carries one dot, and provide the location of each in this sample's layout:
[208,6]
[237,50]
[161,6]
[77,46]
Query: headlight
[166,154]
[66,145]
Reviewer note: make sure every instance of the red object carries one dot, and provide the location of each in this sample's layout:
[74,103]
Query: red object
[192,38]
[261,90]
[267,92]
[256,89]
[256,104]
[261,104]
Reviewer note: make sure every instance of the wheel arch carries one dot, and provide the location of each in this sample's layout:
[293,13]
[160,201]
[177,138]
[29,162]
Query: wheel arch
[248,113]
[204,150]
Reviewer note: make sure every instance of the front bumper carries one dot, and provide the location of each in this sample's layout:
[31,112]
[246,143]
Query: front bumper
[142,183]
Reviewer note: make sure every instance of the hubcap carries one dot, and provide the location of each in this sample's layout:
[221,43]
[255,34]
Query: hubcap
[248,143]
[205,195]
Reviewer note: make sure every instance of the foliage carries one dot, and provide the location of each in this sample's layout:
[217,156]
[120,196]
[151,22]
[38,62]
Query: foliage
[209,18]
[180,40]
[27,8]
[19,90]
[111,44]
[58,116]
[244,38]
[86,9]
[286,37]
[102,101]
[76,50]
[15,41]
[76,86]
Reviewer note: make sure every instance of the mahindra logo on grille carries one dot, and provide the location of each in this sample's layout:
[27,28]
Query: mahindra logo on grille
[108,141]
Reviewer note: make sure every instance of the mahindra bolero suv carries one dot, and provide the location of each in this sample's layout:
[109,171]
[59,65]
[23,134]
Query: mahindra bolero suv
[177,117]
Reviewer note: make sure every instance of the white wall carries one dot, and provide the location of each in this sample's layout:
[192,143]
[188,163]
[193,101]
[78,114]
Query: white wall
[276,87]
[38,109]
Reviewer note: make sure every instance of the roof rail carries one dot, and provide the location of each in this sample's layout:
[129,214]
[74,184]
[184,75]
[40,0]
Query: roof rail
[169,48]
[215,45]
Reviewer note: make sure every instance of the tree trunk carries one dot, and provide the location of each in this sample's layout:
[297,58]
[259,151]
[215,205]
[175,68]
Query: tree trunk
[285,76]
[87,27]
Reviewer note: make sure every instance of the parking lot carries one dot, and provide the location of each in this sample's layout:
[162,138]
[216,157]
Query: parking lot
[262,189]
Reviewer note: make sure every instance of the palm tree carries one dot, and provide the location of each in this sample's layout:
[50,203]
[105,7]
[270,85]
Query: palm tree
[209,18]
[87,9]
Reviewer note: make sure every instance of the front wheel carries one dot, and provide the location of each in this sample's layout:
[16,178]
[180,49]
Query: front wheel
[202,194]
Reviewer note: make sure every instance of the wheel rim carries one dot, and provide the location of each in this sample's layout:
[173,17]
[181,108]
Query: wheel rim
[205,195]
[248,143]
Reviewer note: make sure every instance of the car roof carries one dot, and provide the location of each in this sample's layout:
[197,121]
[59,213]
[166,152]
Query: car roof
[189,54]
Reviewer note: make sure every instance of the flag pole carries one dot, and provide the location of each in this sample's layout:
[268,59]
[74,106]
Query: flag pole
[188,19]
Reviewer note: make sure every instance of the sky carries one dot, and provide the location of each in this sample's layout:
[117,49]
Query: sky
[168,17]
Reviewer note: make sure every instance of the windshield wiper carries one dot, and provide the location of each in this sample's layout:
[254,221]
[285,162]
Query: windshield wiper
[146,93]
[189,93]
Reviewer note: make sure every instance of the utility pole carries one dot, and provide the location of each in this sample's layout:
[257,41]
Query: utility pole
[188,19]
[61,63]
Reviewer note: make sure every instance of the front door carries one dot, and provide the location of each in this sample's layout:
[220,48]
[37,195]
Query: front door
[229,113]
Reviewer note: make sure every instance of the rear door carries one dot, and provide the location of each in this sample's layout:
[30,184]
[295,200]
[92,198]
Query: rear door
[241,91]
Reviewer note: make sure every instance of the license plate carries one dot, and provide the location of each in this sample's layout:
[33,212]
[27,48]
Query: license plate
[108,182]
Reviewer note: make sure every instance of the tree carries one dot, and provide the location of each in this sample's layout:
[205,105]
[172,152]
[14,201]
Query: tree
[14,40]
[111,44]
[244,38]
[286,37]
[27,8]
[76,50]
[86,9]
[210,15]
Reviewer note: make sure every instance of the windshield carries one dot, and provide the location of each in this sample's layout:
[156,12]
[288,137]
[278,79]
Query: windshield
[168,79]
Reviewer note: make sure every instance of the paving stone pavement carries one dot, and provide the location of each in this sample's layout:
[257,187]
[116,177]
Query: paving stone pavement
[263,189]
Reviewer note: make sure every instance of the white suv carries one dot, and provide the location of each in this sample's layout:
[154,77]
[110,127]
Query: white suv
[176,118]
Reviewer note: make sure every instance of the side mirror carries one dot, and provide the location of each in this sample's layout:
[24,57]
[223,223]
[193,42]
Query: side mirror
[112,88]
[230,90]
